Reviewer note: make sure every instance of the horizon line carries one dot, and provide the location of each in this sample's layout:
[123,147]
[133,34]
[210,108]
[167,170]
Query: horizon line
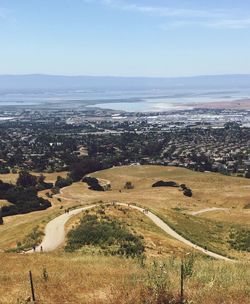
[117,76]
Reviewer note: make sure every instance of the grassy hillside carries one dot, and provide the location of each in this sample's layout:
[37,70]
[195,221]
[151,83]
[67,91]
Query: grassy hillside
[88,276]
[157,243]
[77,278]
[209,190]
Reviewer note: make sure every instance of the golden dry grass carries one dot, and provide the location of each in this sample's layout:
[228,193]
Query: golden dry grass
[209,190]
[92,279]
[72,278]
[231,216]
[75,278]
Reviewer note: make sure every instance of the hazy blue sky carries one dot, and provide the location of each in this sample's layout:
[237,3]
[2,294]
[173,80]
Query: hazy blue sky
[125,37]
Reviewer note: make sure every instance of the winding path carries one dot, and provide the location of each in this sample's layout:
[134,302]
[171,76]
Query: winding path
[208,210]
[55,231]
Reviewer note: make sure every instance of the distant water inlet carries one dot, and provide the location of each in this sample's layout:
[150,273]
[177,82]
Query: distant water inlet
[123,100]
[6,118]
[164,103]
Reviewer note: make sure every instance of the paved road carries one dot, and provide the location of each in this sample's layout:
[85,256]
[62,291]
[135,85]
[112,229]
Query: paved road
[208,210]
[55,231]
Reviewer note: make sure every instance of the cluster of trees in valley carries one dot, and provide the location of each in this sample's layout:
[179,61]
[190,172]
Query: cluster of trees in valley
[23,196]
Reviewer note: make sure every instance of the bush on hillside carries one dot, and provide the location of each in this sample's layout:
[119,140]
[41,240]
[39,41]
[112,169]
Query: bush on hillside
[41,184]
[93,183]
[63,182]
[247,206]
[129,186]
[188,192]
[162,183]
[105,232]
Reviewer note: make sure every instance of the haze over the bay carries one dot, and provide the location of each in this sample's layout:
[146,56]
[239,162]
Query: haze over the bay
[138,94]
[30,82]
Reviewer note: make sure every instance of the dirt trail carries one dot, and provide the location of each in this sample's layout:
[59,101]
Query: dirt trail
[55,231]
[208,210]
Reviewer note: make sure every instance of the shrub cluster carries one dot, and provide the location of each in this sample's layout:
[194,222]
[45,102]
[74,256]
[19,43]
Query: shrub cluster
[31,240]
[129,186]
[63,182]
[107,233]
[185,190]
[93,183]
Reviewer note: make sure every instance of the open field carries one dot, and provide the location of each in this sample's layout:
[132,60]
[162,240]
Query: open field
[209,189]
[78,278]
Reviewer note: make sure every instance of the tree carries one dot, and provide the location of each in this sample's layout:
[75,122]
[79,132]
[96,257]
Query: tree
[63,182]
[4,170]
[129,185]
[1,218]
[41,179]
[25,179]
[41,184]
[85,166]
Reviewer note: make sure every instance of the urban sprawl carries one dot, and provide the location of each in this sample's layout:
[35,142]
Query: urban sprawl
[51,140]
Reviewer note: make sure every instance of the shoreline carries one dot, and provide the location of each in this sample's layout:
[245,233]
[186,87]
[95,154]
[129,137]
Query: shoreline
[240,104]
[139,105]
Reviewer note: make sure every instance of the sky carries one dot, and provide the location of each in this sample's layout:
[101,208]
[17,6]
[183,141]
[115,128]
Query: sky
[154,38]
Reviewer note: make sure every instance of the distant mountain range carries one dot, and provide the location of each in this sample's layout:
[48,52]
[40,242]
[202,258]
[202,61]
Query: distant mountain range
[53,82]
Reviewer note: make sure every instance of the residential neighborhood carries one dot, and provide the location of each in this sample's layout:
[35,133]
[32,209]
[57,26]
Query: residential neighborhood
[51,141]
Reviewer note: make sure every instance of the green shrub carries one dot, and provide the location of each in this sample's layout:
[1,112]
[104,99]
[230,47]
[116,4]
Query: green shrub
[106,233]
[63,182]
[31,240]
[240,239]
